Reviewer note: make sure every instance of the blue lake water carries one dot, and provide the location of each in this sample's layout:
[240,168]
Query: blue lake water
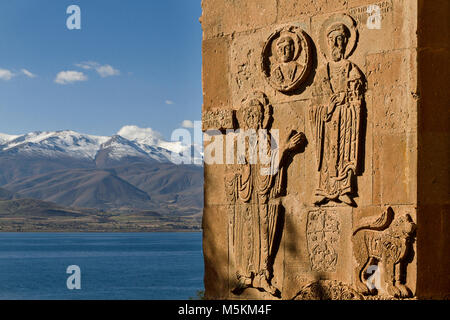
[113,265]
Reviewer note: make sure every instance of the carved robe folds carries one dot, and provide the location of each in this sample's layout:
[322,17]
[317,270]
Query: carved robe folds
[254,213]
[335,121]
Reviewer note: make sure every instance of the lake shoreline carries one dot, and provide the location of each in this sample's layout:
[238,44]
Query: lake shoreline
[119,222]
[69,230]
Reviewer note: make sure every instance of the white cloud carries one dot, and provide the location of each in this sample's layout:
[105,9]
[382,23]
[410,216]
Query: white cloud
[66,77]
[6,74]
[187,124]
[103,70]
[169,102]
[140,134]
[28,73]
[107,71]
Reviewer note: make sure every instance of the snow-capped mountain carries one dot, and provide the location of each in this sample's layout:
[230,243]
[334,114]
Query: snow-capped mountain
[130,142]
[119,147]
[153,143]
[6,137]
[54,144]
[129,171]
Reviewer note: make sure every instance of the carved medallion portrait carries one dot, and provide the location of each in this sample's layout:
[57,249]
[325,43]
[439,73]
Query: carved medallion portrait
[286,58]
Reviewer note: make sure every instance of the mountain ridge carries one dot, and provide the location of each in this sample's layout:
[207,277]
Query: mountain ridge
[116,174]
[84,146]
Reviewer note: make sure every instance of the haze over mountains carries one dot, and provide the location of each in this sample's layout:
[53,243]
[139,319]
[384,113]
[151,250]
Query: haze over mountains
[127,172]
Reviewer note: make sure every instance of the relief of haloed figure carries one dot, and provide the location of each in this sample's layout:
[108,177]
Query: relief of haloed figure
[287,69]
[286,58]
[253,192]
[336,112]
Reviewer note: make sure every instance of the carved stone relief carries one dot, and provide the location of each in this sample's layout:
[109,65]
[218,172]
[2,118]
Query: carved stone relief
[328,290]
[385,241]
[336,112]
[218,120]
[253,199]
[286,58]
[323,232]
[319,65]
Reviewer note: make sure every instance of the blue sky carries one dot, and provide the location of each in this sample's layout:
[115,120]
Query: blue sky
[139,62]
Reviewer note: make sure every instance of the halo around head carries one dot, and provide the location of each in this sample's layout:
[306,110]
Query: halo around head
[258,96]
[302,56]
[295,40]
[334,23]
[263,101]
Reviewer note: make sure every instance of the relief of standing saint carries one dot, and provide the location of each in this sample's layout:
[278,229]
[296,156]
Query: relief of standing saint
[335,114]
[253,195]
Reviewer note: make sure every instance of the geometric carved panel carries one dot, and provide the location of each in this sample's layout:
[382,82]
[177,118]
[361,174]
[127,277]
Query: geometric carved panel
[323,232]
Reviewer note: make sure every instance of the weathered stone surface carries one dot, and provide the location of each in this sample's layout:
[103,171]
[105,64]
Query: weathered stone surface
[394,163]
[290,10]
[245,65]
[215,251]
[226,17]
[216,74]
[366,131]
[214,192]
